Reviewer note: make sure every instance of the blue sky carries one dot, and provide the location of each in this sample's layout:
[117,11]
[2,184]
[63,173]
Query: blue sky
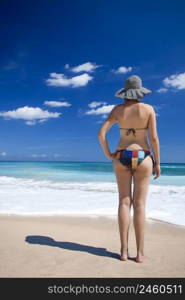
[62,62]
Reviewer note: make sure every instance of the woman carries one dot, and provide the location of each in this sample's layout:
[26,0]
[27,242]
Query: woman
[133,159]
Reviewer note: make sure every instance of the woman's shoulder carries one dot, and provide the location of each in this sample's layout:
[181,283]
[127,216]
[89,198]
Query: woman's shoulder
[147,106]
[119,106]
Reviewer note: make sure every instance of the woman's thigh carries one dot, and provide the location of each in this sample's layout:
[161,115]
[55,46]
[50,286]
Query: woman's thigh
[123,178]
[141,180]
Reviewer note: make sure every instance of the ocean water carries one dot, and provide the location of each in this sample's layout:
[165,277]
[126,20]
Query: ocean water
[85,188]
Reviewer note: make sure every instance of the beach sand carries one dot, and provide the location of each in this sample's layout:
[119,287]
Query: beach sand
[86,247]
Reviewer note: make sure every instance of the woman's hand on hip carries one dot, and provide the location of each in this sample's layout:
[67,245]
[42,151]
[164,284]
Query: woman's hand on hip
[157,171]
[112,155]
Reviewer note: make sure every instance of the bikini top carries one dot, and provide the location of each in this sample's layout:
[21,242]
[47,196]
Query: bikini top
[133,130]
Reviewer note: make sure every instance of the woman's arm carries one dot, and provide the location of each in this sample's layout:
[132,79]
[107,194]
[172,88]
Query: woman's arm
[154,136]
[111,119]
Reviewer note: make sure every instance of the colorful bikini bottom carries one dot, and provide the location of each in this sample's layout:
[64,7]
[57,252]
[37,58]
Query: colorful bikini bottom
[132,158]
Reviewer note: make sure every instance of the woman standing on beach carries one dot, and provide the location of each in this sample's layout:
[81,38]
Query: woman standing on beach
[133,158]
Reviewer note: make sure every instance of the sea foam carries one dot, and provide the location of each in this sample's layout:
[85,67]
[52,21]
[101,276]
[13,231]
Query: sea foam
[20,196]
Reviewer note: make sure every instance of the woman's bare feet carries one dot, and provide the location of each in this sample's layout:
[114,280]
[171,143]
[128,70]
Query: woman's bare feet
[124,254]
[140,258]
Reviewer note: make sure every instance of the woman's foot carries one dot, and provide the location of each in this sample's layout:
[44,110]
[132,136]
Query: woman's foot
[124,254]
[140,258]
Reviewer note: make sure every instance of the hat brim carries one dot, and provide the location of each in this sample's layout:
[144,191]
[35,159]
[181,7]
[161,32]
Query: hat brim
[132,93]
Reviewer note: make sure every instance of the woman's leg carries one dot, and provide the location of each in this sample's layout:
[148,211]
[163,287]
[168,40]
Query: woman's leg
[124,180]
[141,179]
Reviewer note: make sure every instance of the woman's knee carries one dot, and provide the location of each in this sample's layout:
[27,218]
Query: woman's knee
[138,206]
[124,200]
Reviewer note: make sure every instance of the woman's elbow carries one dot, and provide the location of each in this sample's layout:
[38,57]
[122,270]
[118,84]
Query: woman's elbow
[101,133]
[154,139]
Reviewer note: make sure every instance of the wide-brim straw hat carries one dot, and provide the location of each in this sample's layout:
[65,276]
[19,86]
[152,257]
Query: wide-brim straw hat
[133,89]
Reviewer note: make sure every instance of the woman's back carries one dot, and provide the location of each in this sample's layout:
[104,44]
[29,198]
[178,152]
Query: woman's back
[133,121]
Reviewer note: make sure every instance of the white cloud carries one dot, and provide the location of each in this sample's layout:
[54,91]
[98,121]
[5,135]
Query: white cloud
[100,110]
[30,123]
[96,103]
[30,114]
[42,120]
[61,80]
[162,90]
[123,70]
[57,103]
[86,67]
[2,153]
[176,81]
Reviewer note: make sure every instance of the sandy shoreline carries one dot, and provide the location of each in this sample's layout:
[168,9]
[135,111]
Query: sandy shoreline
[68,246]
